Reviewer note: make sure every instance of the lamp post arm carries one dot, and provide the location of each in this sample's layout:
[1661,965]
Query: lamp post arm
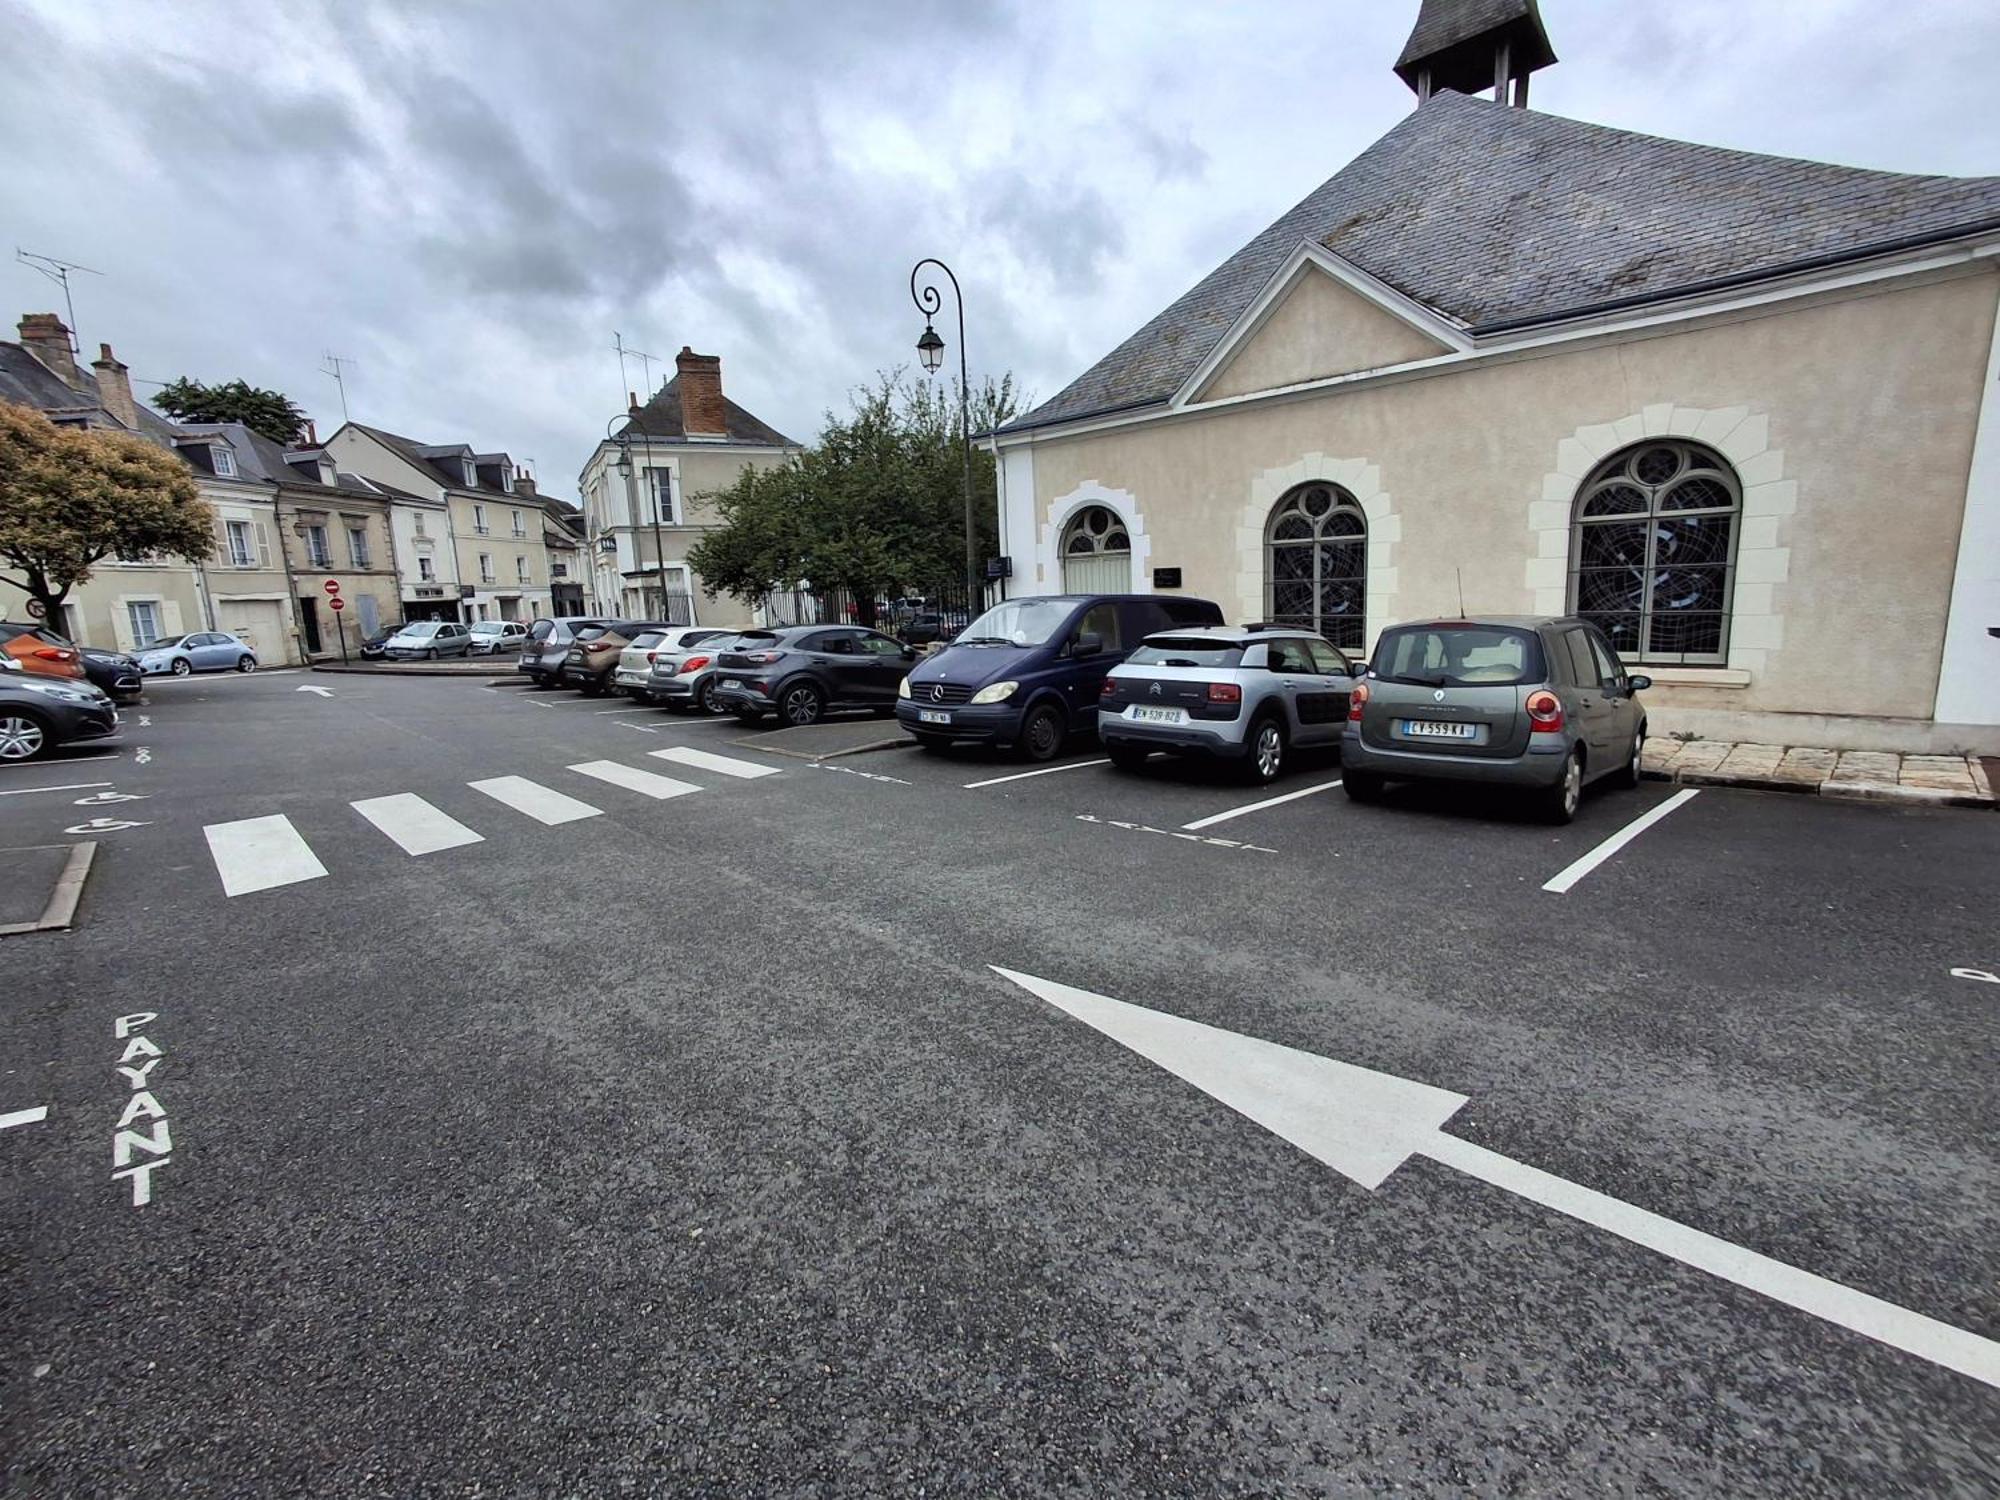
[929,302]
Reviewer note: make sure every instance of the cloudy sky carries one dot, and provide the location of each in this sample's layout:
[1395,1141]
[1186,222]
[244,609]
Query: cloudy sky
[468,197]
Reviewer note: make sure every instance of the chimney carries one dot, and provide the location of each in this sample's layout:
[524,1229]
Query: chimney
[44,336]
[524,484]
[114,388]
[312,434]
[702,411]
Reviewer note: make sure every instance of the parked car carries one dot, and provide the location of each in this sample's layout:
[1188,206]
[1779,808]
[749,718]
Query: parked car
[1542,704]
[802,671]
[930,627]
[377,645]
[1248,694]
[113,673]
[39,652]
[636,662]
[38,713]
[548,643]
[199,651]
[491,636]
[427,640]
[1028,673]
[593,656]
[685,679]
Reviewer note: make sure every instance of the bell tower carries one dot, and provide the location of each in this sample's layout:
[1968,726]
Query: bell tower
[1470,46]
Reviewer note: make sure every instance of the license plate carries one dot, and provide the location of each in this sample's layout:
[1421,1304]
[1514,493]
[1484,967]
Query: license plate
[1145,714]
[932,716]
[1430,729]
[731,682]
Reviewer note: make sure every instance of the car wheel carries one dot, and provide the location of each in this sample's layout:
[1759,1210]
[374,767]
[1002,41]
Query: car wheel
[182,666]
[23,735]
[1126,757]
[801,704]
[1634,769]
[1042,733]
[1361,786]
[704,698]
[432,654]
[1563,799]
[246,663]
[1264,757]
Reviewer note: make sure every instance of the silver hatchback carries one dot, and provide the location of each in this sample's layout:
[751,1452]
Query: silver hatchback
[1540,704]
[1248,694]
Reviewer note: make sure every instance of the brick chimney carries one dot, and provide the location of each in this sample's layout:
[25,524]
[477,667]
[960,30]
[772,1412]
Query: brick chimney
[44,336]
[702,411]
[114,388]
[524,484]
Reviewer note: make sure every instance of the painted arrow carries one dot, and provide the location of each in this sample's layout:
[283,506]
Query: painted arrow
[1366,1124]
[323,692]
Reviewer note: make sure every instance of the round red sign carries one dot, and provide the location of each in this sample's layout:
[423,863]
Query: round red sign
[332,585]
[337,602]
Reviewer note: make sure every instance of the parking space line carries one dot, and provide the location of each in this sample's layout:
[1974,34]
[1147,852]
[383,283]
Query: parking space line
[1619,840]
[1080,765]
[1244,812]
[722,765]
[33,1116]
[633,780]
[258,854]
[544,804]
[415,825]
[603,711]
[69,786]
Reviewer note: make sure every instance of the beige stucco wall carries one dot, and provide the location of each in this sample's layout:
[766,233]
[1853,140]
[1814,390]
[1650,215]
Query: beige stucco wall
[1318,329]
[1850,422]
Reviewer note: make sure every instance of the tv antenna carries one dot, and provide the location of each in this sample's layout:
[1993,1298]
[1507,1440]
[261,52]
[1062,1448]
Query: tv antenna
[333,366]
[626,352]
[58,272]
[1460,572]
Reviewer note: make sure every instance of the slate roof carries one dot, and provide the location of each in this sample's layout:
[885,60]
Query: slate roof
[1444,24]
[660,419]
[1494,217]
[424,456]
[26,381]
[259,460]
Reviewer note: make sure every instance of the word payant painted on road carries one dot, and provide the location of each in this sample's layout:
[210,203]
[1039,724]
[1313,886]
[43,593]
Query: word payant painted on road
[129,1137]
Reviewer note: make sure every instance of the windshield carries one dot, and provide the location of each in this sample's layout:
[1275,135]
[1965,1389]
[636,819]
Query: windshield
[489,627]
[1459,656]
[164,643]
[1019,622]
[426,628]
[1186,651]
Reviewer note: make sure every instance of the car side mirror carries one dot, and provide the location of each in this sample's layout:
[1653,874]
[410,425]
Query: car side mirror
[909,653]
[1087,644]
[1637,684]
[1360,669]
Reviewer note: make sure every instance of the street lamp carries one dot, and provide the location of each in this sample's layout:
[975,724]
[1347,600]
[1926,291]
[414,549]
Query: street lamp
[930,349]
[623,439]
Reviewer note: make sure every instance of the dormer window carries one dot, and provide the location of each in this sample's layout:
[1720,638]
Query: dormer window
[222,461]
[507,479]
[471,474]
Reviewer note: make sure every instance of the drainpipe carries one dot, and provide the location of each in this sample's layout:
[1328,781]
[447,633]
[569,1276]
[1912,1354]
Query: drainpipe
[291,583]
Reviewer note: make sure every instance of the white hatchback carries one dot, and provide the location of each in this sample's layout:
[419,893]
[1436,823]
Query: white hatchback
[635,662]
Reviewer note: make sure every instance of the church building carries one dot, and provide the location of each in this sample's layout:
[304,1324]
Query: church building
[1743,411]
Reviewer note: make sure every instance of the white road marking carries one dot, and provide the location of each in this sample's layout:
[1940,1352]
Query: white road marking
[414,824]
[864,775]
[24,1117]
[323,692]
[543,804]
[142,756]
[536,702]
[105,799]
[1619,840]
[259,854]
[1244,812]
[68,786]
[1979,975]
[1366,1124]
[642,728]
[144,722]
[634,780]
[605,712]
[722,765]
[105,825]
[1079,765]
[1186,838]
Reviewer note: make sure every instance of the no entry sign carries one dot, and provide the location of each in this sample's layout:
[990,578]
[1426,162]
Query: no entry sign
[337,602]
[332,586]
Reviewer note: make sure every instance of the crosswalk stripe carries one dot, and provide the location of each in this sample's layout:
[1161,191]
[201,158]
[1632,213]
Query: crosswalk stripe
[635,780]
[722,765]
[414,824]
[259,854]
[543,804]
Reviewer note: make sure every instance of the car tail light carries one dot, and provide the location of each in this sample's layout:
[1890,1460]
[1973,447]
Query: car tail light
[1108,689]
[50,653]
[652,656]
[600,646]
[1356,702]
[765,658]
[693,664]
[1545,712]
[1224,692]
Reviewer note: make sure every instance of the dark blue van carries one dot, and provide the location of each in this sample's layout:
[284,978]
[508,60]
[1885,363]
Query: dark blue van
[1027,674]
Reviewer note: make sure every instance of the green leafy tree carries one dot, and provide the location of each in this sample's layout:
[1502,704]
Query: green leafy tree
[876,503]
[269,412]
[70,498]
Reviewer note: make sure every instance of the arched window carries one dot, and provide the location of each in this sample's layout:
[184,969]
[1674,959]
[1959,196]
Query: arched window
[1653,556]
[1096,553]
[1316,564]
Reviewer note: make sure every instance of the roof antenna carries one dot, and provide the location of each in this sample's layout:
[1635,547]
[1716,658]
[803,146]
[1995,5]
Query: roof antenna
[331,366]
[58,272]
[1460,572]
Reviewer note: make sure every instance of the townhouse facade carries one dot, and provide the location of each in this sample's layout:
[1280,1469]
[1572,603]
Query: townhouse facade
[645,489]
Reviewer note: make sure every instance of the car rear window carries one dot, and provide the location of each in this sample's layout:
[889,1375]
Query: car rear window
[1186,651]
[1460,656]
[647,638]
[590,632]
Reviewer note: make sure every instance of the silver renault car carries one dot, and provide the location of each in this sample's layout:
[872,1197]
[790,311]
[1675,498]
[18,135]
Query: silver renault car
[1542,704]
[1246,693]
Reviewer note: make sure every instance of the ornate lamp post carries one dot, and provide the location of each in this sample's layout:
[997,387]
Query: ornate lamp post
[930,349]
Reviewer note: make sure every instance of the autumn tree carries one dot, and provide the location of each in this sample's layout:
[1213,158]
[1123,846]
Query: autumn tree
[69,498]
[271,413]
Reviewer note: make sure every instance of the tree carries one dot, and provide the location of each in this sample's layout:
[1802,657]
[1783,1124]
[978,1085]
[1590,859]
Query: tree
[268,412]
[70,498]
[876,503]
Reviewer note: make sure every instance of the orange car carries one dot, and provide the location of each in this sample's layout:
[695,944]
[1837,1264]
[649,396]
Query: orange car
[40,652]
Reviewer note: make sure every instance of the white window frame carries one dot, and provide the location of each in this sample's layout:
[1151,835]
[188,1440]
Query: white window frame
[417,526]
[242,544]
[479,521]
[144,635]
[486,573]
[358,555]
[520,526]
[426,570]
[223,461]
[471,473]
[522,572]
[319,549]
[657,481]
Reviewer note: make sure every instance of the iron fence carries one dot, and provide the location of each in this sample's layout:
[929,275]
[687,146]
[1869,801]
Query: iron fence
[917,613]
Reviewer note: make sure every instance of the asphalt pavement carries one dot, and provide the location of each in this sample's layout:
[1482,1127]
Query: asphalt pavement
[664,1127]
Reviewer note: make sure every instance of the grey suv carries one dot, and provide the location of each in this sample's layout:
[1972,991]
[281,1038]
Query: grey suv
[1538,703]
[548,643]
[1247,693]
